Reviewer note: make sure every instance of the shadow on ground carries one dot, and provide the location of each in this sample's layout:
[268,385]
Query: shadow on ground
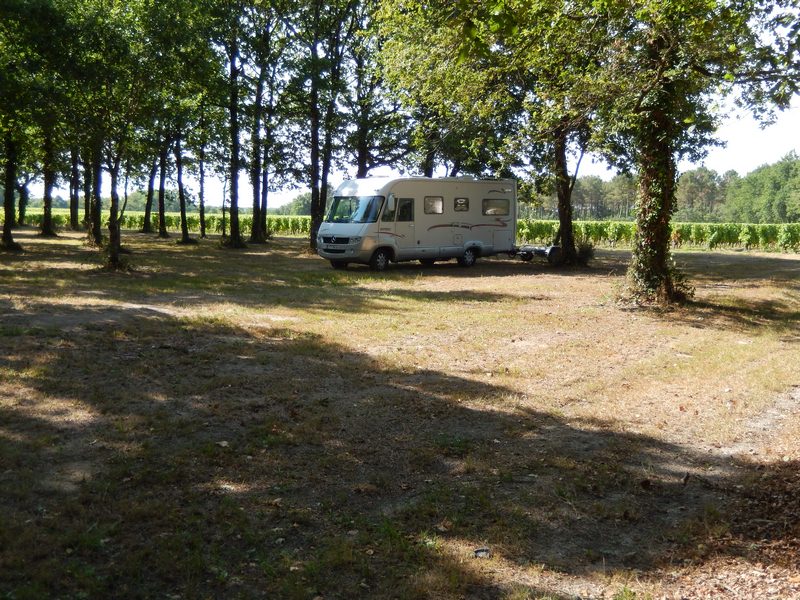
[146,455]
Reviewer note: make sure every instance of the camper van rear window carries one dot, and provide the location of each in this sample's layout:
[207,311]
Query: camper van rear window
[461,204]
[434,205]
[495,206]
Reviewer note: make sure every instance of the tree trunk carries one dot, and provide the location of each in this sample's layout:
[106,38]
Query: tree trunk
[24,200]
[651,276]
[269,141]
[429,160]
[264,197]
[564,193]
[362,121]
[257,234]
[87,190]
[185,239]
[114,238]
[48,172]
[233,113]
[649,273]
[317,207]
[147,225]
[202,160]
[74,190]
[96,232]
[10,180]
[327,158]
[162,191]
[456,168]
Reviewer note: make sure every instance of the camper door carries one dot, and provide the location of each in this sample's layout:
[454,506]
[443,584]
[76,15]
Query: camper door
[405,229]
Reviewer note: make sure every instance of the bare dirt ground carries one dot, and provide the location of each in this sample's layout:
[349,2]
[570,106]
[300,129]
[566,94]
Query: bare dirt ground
[254,424]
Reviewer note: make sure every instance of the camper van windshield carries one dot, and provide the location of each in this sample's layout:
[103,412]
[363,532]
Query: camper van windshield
[354,209]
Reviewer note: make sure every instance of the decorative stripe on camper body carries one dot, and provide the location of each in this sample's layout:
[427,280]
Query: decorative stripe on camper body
[397,235]
[500,224]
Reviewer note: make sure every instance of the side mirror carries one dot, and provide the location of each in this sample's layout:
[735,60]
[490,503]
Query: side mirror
[390,204]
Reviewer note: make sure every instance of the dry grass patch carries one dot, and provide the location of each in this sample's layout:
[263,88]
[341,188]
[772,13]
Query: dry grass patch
[255,424]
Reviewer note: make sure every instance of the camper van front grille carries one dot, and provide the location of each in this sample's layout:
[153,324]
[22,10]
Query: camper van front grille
[332,239]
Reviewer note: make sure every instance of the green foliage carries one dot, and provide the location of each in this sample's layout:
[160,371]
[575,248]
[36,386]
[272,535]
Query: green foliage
[138,199]
[770,194]
[789,236]
[625,594]
[762,236]
[749,236]
[300,205]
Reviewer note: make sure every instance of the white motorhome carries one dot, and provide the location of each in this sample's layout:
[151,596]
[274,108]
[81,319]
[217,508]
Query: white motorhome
[379,220]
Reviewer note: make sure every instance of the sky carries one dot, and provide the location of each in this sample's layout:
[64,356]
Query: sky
[747,147]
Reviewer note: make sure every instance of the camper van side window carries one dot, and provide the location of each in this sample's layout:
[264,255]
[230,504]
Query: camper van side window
[434,205]
[461,204]
[405,209]
[495,206]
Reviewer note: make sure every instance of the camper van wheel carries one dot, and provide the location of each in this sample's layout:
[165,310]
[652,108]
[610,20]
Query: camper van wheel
[468,258]
[379,260]
[427,262]
[339,264]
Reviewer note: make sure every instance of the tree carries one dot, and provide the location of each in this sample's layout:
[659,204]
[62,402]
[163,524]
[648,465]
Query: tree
[588,198]
[321,33]
[267,43]
[698,195]
[458,123]
[621,196]
[50,88]
[378,131]
[226,30]
[769,194]
[664,61]
[179,31]
[19,62]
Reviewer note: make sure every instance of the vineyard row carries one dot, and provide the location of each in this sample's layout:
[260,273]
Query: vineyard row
[785,236]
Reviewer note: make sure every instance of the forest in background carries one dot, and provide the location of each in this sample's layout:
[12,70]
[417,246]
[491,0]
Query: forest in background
[768,194]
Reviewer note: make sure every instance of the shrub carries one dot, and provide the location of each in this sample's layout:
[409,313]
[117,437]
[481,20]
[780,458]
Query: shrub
[749,236]
[767,235]
[789,236]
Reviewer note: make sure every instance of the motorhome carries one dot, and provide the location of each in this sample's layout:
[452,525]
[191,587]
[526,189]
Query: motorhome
[375,221]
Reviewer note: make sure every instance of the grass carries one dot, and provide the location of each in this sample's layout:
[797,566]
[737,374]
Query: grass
[255,424]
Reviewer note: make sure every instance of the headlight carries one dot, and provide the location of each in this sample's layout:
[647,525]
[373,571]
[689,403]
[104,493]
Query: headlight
[355,240]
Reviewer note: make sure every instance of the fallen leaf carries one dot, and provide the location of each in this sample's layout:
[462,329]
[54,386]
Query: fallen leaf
[444,525]
[365,488]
